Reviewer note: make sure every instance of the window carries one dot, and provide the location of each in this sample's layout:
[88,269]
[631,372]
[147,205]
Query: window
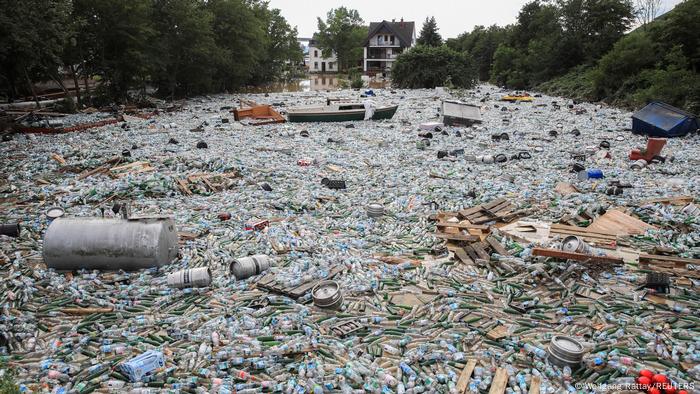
[315,65]
[315,53]
[386,38]
[330,65]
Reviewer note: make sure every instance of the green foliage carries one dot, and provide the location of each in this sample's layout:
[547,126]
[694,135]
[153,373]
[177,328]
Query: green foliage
[429,35]
[481,44]
[7,380]
[182,47]
[428,67]
[343,32]
[355,77]
[633,53]
[32,35]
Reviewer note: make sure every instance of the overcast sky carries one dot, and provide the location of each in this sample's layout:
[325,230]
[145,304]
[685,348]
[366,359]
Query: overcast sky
[453,16]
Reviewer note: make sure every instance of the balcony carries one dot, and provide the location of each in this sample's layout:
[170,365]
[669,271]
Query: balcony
[382,56]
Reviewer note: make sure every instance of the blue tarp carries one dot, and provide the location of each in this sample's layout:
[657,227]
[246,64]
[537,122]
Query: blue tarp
[659,119]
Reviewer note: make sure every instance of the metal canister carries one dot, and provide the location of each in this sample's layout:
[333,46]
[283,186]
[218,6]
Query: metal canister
[487,159]
[565,351]
[590,174]
[575,244]
[245,267]
[195,277]
[638,164]
[10,229]
[375,210]
[327,295]
[54,213]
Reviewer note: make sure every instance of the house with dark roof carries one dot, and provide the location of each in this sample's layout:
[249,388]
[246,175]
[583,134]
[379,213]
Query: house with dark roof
[385,41]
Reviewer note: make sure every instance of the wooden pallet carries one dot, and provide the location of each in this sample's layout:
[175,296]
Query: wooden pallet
[346,328]
[594,237]
[496,210]
[268,282]
[584,258]
[676,266]
[212,182]
[619,223]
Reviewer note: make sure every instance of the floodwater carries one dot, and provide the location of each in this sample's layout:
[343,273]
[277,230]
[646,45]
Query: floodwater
[312,82]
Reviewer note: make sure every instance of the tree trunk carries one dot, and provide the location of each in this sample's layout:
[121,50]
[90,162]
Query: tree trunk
[76,83]
[31,87]
[87,86]
[57,78]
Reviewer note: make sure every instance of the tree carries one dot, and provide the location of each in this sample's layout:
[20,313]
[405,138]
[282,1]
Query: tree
[32,36]
[429,35]
[428,67]
[282,51]
[647,10]
[342,32]
[184,47]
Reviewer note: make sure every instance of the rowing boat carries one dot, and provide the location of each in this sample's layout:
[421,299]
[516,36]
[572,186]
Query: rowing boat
[339,112]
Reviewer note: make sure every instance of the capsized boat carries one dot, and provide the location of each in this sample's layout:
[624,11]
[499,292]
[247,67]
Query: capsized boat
[340,112]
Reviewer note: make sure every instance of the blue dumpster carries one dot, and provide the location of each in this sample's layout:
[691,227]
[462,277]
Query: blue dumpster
[659,119]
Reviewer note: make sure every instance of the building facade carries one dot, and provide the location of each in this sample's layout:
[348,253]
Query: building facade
[385,41]
[319,64]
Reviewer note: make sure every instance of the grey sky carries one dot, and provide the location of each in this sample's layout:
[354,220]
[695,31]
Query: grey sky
[453,16]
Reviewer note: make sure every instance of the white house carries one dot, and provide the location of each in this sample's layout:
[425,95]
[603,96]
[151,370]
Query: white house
[385,41]
[318,63]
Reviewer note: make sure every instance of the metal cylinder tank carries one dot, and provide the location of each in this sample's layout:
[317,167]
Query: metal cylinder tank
[110,244]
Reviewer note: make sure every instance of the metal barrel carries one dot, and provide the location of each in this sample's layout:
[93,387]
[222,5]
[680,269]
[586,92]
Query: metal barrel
[110,244]
[575,244]
[375,210]
[10,229]
[565,351]
[245,267]
[194,277]
[327,295]
[638,164]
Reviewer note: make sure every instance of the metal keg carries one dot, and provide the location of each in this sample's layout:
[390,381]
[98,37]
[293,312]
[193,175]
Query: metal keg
[54,213]
[575,244]
[565,351]
[327,295]
[375,210]
[245,267]
[194,277]
[638,164]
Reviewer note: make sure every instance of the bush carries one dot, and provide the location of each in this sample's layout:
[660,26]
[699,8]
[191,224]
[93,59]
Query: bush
[356,82]
[428,67]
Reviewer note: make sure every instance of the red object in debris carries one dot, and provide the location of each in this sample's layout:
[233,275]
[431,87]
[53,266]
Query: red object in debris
[683,392]
[224,216]
[645,372]
[644,381]
[653,390]
[654,147]
[659,378]
[670,390]
[304,162]
[256,224]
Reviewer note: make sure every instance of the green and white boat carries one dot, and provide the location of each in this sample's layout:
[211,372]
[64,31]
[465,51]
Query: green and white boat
[338,112]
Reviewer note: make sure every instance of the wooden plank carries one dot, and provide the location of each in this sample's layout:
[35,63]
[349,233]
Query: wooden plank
[456,237]
[493,203]
[465,377]
[562,228]
[678,261]
[560,254]
[500,380]
[497,333]
[676,200]
[462,256]
[497,246]
[620,223]
[481,252]
[471,253]
[462,226]
[535,385]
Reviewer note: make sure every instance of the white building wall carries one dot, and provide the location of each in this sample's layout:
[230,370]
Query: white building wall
[317,61]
